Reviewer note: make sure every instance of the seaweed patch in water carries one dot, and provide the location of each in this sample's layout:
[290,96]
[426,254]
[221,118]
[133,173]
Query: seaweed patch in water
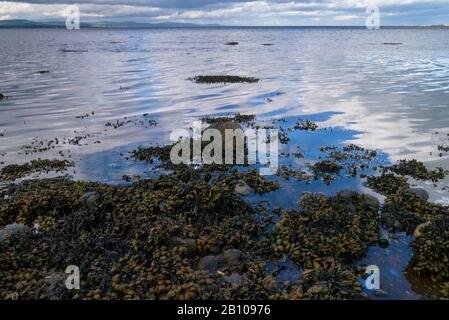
[223,79]
[238,118]
[416,170]
[14,171]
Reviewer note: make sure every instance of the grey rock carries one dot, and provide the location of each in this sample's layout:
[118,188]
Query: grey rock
[389,222]
[210,264]
[384,238]
[234,279]
[12,229]
[242,188]
[90,199]
[420,192]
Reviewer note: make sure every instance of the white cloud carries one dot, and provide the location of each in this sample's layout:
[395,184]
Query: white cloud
[245,12]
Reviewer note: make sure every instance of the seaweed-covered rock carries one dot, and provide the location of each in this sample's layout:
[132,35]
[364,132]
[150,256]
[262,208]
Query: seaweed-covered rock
[420,192]
[337,227]
[416,170]
[326,166]
[14,171]
[431,250]
[223,79]
[335,282]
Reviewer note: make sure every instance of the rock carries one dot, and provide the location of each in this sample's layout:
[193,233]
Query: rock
[233,259]
[372,201]
[388,221]
[211,264]
[419,230]
[11,230]
[90,199]
[234,279]
[384,238]
[420,192]
[242,188]
[380,293]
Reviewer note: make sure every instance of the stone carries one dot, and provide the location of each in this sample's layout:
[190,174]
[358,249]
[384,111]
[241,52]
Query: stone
[384,238]
[234,279]
[90,199]
[233,259]
[388,221]
[419,230]
[242,188]
[420,192]
[210,263]
[11,230]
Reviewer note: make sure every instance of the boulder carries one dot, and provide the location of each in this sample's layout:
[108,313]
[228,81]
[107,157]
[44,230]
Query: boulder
[420,192]
[242,188]
[234,279]
[12,229]
[389,222]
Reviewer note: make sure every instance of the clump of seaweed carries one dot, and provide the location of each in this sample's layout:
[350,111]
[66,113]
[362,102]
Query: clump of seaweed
[305,125]
[416,170]
[431,250]
[339,227]
[238,118]
[387,183]
[335,282]
[326,167]
[223,79]
[14,171]
[231,43]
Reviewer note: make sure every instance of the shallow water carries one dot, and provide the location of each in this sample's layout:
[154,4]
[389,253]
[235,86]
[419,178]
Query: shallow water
[393,99]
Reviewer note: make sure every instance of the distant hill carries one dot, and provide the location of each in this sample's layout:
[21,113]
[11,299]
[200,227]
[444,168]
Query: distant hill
[100,25]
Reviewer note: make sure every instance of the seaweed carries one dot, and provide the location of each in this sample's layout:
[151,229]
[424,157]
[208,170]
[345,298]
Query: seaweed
[211,79]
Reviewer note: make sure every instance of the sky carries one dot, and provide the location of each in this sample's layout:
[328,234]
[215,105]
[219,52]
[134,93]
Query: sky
[236,12]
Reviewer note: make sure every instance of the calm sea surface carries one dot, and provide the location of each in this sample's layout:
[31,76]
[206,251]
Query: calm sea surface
[392,98]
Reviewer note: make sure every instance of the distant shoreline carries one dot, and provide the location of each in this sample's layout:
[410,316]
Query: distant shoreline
[28,24]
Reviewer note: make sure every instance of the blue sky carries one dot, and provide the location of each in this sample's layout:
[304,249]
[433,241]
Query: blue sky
[236,12]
